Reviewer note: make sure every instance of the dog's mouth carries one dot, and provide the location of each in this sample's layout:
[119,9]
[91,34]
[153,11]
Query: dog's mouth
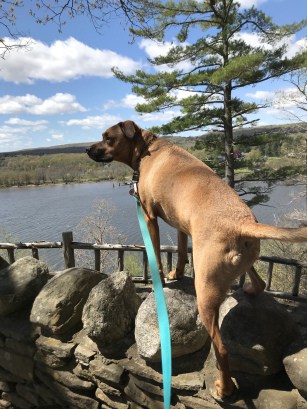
[104,159]
[98,156]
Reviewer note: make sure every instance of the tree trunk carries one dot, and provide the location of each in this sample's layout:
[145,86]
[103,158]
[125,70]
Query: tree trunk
[228,133]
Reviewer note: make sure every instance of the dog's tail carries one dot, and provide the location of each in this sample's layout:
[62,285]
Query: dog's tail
[265,231]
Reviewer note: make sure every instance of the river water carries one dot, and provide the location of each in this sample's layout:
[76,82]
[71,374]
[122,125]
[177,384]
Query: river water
[44,212]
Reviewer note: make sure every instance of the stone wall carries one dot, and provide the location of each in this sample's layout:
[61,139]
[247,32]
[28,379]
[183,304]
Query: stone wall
[81,339]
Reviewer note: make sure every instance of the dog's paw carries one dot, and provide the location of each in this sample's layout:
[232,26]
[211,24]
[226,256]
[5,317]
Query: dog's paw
[225,393]
[175,275]
[172,275]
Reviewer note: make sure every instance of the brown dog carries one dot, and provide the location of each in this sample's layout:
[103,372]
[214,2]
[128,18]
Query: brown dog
[189,196]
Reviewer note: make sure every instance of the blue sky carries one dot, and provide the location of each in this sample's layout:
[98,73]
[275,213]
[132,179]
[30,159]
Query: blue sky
[61,90]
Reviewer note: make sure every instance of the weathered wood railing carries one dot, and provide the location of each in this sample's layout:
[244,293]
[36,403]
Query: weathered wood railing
[69,246]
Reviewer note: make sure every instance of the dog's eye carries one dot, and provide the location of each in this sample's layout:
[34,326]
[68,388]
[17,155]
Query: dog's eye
[108,140]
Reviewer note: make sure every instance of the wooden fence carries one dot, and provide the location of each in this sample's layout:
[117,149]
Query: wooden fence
[69,246]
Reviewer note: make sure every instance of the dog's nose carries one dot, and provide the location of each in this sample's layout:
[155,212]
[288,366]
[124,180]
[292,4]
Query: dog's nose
[87,150]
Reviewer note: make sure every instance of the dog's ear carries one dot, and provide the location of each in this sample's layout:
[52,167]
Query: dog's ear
[129,128]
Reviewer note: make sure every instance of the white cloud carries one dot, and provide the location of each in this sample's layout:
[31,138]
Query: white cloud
[24,122]
[164,116]
[57,104]
[283,103]
[252,39]
[155,49]
[249,3]
[61,61]
[94,122]
[293,46]
[23,126]
[129,101]
[279,99]
[288,98]
[57,136]
[13,138]
[263,95]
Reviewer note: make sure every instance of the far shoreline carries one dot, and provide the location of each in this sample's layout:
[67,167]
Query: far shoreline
[49,184]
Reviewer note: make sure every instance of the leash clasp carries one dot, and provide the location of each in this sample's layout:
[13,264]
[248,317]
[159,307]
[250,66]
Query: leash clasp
[133,189]
[134,184]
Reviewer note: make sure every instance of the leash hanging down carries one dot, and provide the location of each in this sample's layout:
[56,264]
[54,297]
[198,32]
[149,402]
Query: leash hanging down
[163,321]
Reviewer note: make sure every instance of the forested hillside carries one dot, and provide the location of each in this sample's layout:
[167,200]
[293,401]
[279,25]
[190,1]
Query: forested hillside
[261,152]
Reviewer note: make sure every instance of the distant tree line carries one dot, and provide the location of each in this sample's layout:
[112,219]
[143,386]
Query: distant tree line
[261,155]
[23,170]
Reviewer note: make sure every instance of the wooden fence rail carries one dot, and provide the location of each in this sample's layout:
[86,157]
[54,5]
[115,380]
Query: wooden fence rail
[69,246]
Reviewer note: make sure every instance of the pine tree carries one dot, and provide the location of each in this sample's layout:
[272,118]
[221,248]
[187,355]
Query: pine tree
[217,59]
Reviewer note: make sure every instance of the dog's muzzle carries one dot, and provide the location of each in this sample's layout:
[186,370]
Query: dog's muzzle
[98,155]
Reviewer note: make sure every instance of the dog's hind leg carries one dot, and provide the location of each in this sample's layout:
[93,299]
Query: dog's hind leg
[208,308]
[211,286]
[256,284]
[182,257]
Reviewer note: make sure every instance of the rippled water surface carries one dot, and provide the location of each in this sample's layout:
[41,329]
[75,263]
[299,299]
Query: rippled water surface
[44,212]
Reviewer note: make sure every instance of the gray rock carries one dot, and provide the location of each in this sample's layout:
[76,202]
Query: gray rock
[18,365]
[28,393]
[58,307]
[272,399]
[107,370]
[68,379]
[55,346]
[65,395]
[5,387]
[21,348]
[20,283]
[296,368]
[187,332]
[142,398]
[16,400]
[110,310]
[255,331]
[111,403]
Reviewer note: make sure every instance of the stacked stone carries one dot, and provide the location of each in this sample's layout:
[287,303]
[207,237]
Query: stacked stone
[82,339]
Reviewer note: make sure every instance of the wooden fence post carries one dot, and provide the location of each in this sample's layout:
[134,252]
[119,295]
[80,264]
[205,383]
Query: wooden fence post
[269,276]
[69,255]
[120,260]
[11,255]
[169,261]
[97,259]
[192,266]
[145,264]
[297,280]
[35,253]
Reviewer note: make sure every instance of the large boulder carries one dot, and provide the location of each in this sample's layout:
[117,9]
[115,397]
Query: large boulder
[256,330]
[187,332]
[20,283]
[110,310]
[295,363]
[58,307]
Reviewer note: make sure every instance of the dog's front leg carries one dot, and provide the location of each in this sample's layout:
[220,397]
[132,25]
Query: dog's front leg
[153,229]
[182,257]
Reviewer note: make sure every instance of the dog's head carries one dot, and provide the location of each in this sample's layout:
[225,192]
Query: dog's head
[116,143]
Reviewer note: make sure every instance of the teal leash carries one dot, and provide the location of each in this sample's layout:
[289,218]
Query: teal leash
[163,321]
